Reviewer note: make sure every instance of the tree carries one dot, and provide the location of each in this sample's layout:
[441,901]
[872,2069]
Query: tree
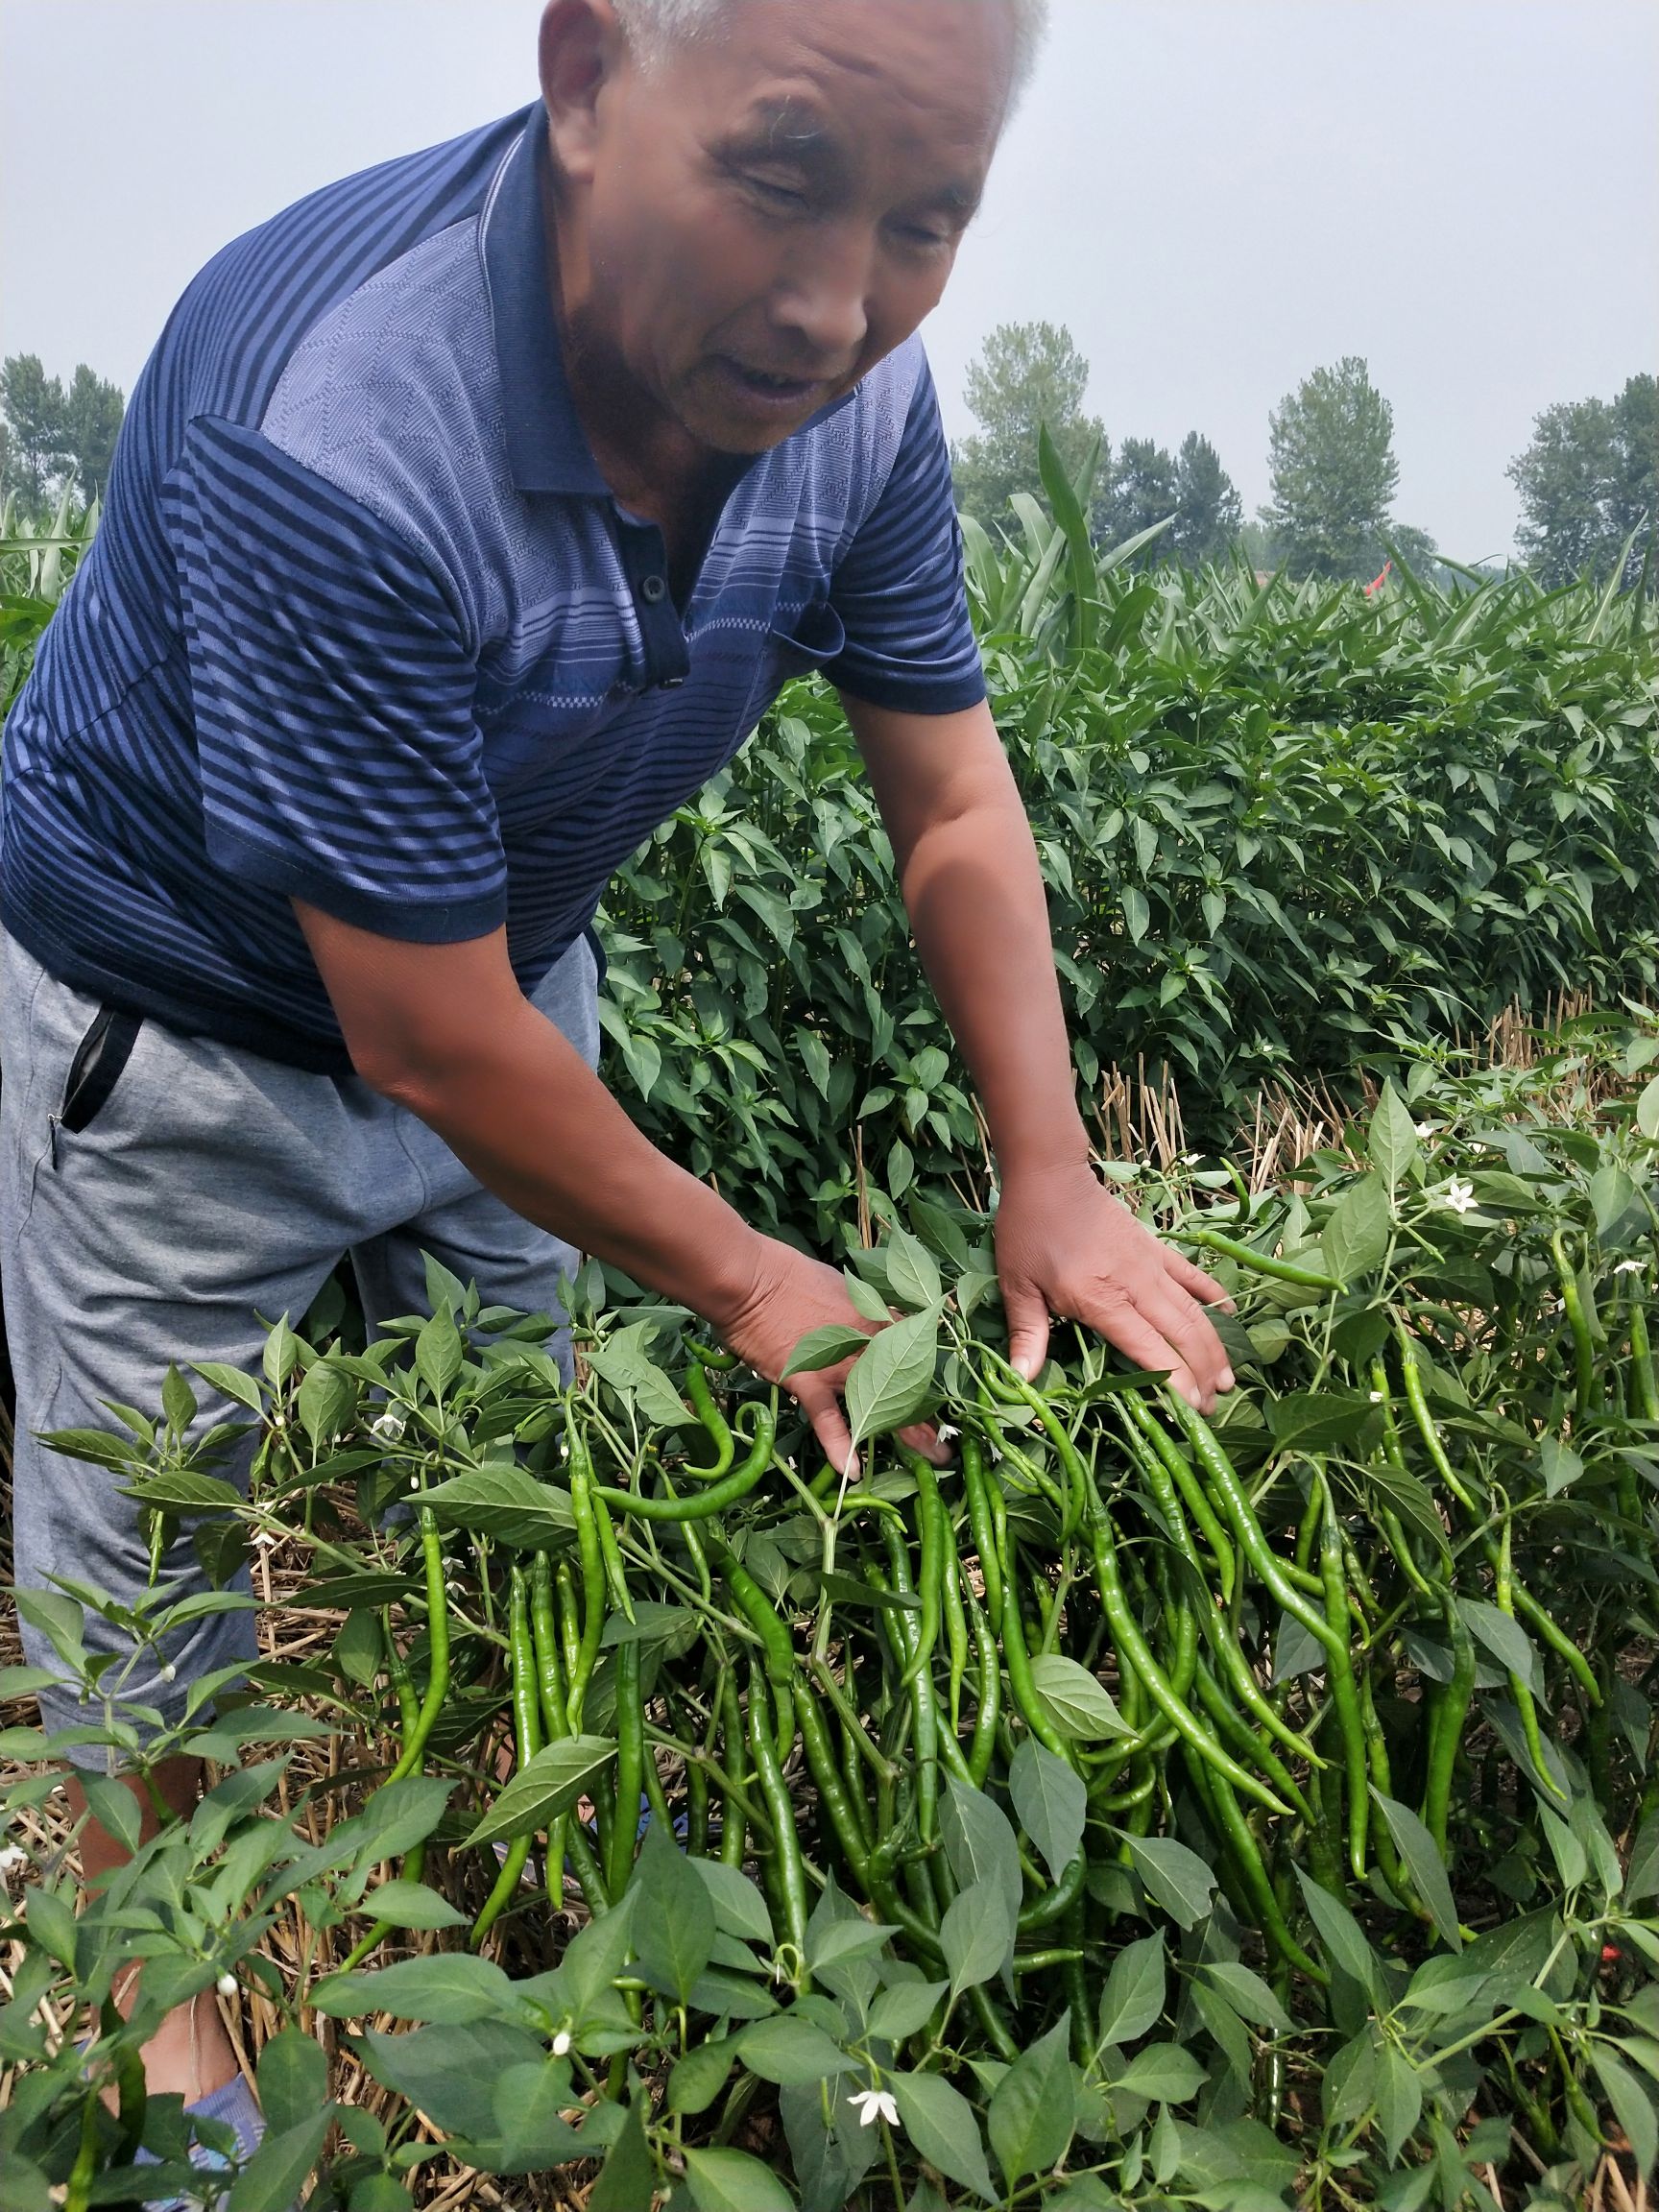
[1209,512]
[1141,490]
[1334,472]
[33,403]
[92,415]
[1587,480]
[1027,375]
[55,438]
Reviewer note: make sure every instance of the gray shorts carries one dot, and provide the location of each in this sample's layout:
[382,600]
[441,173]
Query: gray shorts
[211,1187]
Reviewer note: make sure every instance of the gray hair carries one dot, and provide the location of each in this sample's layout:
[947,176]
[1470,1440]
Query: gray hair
[652,26]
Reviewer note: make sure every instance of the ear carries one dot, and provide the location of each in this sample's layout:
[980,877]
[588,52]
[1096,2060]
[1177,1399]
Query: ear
[581,50]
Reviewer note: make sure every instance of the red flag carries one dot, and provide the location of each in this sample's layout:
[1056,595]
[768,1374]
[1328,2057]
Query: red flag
[1376,581]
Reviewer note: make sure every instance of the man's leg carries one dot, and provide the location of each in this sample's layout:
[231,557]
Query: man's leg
[208,1188]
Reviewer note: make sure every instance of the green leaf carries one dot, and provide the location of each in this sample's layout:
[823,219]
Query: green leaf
[505,1503]
[274,2177]
[624,1363]
[1647,1110]
[114,1804]
[293,2077]
[904,2010]
[913,1272]
[1339,1933]
[1161,2073]
[1505,1638]
[1612,1194]
[1392,1138]
[1175,1878]
[1354,1240]
[1316,1420]
[826,1347]
[674,1924]
[1132,1998]
[1633,2106]
[1077,1701]
[864,1299]
[699,2078]
[979,1841]
[1642,1878]
[450,1987]
[733,2181]
[1032,2109]
[438,1351]
[449,2073]
[412,1905]
[1249,1996]
[1399,2096]
[544,1787]
[977,1935]
[1050,1802]
[232,1382]
[739,1908]
[1423,1864]
[531,2131]
[891,1382]
[941,2124]
[790,2052]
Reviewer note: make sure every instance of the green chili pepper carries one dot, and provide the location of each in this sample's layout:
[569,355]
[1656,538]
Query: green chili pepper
[985,1739]
[1018,1663]
[1447,1715]
[1339,1679]
[733,1824]
[702,1505]
[1224,1481]
[1524,1705]
[1260,1262]
[1579,1324]
[437,1645]
[523,1676]
[593,1581]
[631,1759]
[1179,1469]
[789,1868]
[955,1615]
[696,1389]
[1417,1399]
[1644,1390]
[931,1512]
[1126,1631]
[979,1521]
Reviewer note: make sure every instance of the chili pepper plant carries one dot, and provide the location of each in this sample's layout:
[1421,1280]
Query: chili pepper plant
[1140,1810]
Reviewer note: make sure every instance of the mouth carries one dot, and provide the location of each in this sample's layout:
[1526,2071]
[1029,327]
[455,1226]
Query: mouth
[777,393]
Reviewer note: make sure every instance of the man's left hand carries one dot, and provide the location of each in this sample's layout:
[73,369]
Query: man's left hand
[1065,1246]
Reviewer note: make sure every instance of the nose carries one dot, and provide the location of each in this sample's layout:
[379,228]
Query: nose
[825,301]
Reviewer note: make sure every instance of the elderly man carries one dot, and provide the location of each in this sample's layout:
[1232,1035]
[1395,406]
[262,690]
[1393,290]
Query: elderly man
[466,519]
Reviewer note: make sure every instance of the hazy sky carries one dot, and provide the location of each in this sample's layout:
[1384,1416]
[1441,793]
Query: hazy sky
[1215,196]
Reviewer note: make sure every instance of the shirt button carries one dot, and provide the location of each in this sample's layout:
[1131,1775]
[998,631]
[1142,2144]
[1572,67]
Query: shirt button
[651,589]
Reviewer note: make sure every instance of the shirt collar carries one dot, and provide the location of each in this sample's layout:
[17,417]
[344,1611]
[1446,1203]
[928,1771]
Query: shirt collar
[547,450]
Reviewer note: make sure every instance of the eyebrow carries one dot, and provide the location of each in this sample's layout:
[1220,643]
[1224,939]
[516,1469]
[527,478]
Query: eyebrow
[789,130]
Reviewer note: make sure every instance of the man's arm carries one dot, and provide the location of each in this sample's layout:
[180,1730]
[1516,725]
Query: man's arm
[445,1031]
[968,871]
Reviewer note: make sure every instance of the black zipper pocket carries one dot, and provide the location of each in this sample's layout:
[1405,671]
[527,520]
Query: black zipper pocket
[96,1068]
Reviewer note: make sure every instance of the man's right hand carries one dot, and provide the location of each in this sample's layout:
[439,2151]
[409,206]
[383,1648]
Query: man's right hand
[790,1295]
[445,1030]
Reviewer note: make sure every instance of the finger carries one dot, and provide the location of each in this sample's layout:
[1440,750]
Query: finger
[823,1408]
[1027,1312]
[1137,1338]
[925,1437]
[1186,1329]
[1195,1282]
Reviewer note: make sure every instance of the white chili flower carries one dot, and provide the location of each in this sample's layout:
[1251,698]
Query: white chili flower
[169,1671]
[226,1985]
[267,1539]
[561,2043]
[948,1432]
[1629,1267]
[873,2105]
[1460,1196]
[388,1427]
[14,1855]
[1376,1397]
[1425,1129]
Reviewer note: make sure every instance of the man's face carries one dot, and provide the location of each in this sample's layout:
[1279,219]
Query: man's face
[770,210]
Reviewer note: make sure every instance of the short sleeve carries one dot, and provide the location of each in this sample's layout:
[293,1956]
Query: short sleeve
[331,694]
[898,588]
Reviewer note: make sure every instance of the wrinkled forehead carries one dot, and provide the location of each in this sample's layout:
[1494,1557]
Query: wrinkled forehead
[818,79]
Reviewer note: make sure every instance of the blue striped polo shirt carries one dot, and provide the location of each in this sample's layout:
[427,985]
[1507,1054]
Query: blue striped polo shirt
[364,625]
